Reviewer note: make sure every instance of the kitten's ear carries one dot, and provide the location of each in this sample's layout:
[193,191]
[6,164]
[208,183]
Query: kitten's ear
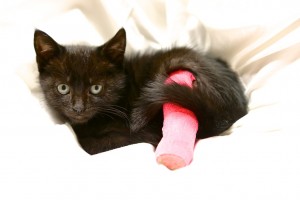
[45,47]
[114,49]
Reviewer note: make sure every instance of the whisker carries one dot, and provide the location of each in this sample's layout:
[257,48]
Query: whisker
[107,115]
[115,110]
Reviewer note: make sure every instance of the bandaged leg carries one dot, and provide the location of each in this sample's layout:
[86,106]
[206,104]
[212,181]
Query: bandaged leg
[180,127]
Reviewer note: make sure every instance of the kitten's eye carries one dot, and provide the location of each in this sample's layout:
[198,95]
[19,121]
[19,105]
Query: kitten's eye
[63,89]
[95,89]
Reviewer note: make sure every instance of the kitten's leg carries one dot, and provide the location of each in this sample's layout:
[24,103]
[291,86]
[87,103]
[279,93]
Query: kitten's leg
[180,126]
[95,145]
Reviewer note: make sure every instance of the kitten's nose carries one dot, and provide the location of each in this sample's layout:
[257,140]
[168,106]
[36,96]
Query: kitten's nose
[78,109]
[78,106]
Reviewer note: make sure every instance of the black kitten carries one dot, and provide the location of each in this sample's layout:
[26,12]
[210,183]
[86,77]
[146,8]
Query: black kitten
[113,101]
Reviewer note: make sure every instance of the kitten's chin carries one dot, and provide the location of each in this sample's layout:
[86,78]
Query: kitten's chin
[78,119]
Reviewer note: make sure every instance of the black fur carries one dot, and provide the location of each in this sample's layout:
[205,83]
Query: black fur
[129,107]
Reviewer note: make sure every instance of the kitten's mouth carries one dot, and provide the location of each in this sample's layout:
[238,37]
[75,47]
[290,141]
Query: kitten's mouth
[79,119]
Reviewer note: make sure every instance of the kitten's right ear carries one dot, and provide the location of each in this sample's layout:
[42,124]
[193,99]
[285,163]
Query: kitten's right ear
[45,47]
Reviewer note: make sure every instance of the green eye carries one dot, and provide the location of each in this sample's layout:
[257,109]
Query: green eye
[96,89]
[63,89]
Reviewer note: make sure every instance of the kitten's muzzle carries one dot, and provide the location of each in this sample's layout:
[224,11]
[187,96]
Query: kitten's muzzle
[78,109]
[78,106]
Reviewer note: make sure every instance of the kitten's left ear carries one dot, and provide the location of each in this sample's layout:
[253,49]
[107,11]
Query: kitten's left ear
[114,49]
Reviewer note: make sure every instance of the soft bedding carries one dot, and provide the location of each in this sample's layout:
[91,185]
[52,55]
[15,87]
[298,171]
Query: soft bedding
[258,158]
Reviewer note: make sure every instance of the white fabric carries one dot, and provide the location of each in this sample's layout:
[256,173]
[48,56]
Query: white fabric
[259,159]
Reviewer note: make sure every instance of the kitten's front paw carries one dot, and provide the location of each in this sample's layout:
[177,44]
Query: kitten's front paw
[89,145]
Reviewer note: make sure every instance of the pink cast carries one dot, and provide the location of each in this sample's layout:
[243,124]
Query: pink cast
[180,127]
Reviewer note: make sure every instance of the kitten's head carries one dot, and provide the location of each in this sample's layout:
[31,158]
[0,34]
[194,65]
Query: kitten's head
[80,82]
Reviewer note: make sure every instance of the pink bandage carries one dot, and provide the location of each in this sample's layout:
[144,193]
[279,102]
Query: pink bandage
[180,127]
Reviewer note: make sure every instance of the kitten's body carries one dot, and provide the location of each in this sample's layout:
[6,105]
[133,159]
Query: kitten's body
[129,107]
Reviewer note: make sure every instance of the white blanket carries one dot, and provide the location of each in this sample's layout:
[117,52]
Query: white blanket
[258,159]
